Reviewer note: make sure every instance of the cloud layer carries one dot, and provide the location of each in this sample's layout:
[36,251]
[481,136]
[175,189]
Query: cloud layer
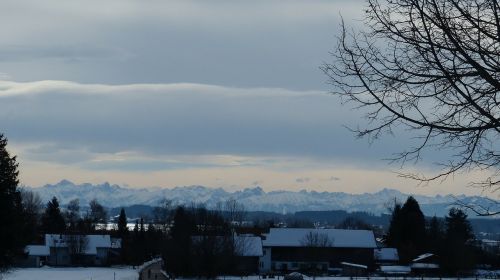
[176,119]
[174,92]
[232,43]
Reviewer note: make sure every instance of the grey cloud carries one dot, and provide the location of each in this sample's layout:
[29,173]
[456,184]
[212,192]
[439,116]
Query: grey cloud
[231,43]
[179,119]
[66,53]
[303,180]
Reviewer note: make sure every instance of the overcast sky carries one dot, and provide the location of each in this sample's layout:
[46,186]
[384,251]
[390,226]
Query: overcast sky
[170,93]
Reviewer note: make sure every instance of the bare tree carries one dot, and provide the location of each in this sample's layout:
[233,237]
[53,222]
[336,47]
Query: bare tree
[163,213]
[32,210]
[98,215]
[354,223]
[431,67]
[73,213]
[31,201]
[77,245]
[316,239]
[235,211]
[316,242]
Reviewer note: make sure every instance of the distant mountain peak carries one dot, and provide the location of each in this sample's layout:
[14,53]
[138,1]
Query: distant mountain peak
[65,182]
[253,198]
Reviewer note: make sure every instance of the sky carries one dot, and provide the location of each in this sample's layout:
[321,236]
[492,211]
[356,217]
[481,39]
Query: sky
[173,93]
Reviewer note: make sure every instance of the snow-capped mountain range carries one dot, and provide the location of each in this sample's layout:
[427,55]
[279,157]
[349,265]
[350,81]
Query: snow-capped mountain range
[254,199]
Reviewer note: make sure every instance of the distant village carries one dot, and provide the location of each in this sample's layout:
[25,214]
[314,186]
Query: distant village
[192,241]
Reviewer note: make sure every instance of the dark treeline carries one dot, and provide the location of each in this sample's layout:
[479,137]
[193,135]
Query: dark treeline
[193,240]
[196,241]
[451,239]
[325,218]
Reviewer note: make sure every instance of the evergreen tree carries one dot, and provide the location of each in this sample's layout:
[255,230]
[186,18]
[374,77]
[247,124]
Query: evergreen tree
[179,255]
[122,224]
[11,241]
[53,220]
[434,235]
[135,246]
[458,228]
[458,253]
[407,230]
[394,232]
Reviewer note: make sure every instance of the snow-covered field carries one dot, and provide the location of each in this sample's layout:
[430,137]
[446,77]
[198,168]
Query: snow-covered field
[126,273]
[71,273]
[349,278]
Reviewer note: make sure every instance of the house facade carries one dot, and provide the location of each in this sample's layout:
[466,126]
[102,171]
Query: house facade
[67,250]
[323,250]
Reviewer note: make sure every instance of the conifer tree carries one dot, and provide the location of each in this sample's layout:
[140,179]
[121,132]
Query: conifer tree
[434,235]
[11,241]
[407,229]
[53,220]
[458,253]
[394,232]
[122,224]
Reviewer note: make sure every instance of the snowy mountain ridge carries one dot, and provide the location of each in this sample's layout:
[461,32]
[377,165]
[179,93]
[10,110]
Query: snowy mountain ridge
[254,199]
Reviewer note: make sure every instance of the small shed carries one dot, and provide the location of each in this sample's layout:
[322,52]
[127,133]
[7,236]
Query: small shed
[36,256]
[395,270]
[386,256]
[353,269]
[425,264]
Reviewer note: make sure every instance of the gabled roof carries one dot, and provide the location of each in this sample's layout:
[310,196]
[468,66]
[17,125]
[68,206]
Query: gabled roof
[245,245]
[424,266]
[354,265]
[386,254]
[37,250]
[337,238]
[423,257]
[249,246]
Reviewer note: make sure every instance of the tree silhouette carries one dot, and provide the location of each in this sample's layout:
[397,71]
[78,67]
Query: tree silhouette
[433,68]
[11,241]
[122,224]
[53,220]
[458,253]
[407,229]
[98,215]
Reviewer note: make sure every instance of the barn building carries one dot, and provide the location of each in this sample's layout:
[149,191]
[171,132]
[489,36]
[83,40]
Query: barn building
[321,250]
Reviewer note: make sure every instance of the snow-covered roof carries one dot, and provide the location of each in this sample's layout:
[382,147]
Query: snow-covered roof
[354,265]
[425,265]
[245,245]
[395,269]
[386,254]
[249,246]
[423,257]
[37,250]
[339,238]
[93,241]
